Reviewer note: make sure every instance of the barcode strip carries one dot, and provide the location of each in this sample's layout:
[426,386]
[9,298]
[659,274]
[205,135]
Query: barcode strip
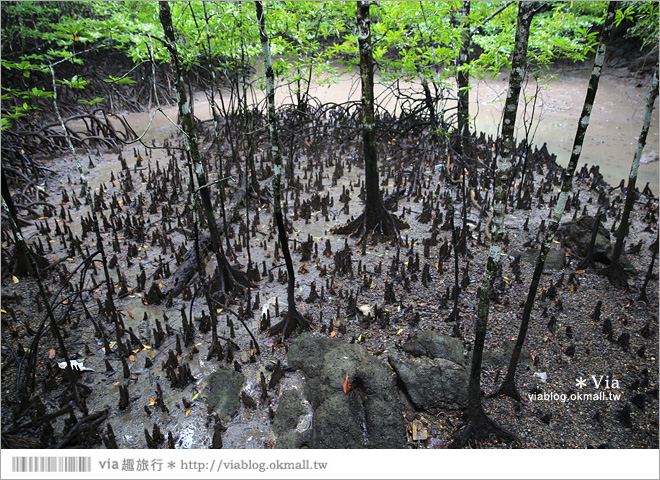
[51,464]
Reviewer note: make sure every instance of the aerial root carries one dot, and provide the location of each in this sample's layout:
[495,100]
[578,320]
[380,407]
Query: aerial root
[371,227]
[293,321]
[478,429]
[508,388]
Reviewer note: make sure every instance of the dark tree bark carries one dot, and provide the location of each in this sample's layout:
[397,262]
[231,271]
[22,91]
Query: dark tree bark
[375,221]
[293,320]
[463,75]
[615,271]
[508,386]
[229,278]
[478,425]
[216,130]
[588,261]
[463,84]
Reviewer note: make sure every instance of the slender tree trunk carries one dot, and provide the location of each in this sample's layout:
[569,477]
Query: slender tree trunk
[463,84]
[216,130]
[189,134]
[615,271]
[293,319]
[508,386]
[463,75]
[368,119]
[375,221]
[478,424]
[229,278]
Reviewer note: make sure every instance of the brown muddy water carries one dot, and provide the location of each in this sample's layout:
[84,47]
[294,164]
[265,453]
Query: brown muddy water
[610,141]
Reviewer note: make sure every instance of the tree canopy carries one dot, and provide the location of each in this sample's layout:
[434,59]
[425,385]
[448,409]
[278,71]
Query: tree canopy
[409,38]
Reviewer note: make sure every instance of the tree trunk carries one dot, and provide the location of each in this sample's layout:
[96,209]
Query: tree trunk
[229,277]
[463,75]
[293,319]
[463,84]
[508,386]
[375,221]
[216,131]
[478,425]
[615,271]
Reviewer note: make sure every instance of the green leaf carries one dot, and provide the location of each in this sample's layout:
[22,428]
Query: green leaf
[35,92]
[75,82]
[91,102]
[119,80]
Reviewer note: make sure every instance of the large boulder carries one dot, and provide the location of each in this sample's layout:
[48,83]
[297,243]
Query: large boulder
[368,416]
[498,358]
[556,259]
[576,236]
[223,393]
[432,383]
[434,345]
[435,377]
[293,420]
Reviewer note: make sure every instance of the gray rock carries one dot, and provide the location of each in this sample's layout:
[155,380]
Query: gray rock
[576,235]
[432,383]
[556,259]
[369,415]
[223,393]
[435,345]
[498,358]
[293,420]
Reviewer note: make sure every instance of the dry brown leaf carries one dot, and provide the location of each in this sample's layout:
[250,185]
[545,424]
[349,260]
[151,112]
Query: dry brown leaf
[347,385]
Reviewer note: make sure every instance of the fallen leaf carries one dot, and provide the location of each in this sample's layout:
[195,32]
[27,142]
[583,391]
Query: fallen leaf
[333,334]
[187,412]
[14,278]
[51,354]
[347,385]
[152,401]
[131,358]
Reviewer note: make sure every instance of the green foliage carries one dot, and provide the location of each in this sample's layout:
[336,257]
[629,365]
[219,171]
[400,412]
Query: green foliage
[120,80]
[91,102]
[567,31]
[643,17]
[410,39]
[75,82]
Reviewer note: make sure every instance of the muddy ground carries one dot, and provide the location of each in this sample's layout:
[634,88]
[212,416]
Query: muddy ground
[155,232]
